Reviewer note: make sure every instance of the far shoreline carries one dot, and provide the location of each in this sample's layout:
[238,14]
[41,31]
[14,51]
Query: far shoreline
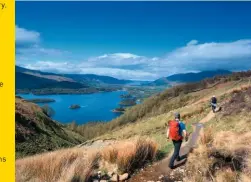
[65,93]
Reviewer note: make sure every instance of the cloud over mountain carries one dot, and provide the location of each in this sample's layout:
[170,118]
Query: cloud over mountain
[194,56]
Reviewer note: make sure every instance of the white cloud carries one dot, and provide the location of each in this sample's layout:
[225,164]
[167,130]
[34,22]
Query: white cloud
[225,55]
[213,50]
[117,60]
[194,56]
[119,56]
[67,67]
[28,46]
[26,36]
[192,42]
[38,51]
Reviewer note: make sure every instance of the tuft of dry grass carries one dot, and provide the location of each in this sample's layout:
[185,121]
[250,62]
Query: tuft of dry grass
[245,178]
[81,164]
[222,157]
[226,176]
[132,155]
[233,144]
[198,165]
[207,136]
[110,154]
[64,165]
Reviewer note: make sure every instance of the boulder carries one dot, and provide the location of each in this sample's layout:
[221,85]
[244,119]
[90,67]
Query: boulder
[110,174]
[114,177]
[123,177]
[161,177]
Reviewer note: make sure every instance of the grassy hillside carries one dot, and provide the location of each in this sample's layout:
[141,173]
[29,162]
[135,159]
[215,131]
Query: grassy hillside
[36,132]
[171,99]
[223,152]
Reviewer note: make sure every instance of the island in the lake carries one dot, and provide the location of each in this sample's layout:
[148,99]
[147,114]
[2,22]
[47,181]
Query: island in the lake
[41,100]
[74,106]
[119,110]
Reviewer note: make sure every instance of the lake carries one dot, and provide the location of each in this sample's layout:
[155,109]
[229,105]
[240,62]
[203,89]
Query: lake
[94,107]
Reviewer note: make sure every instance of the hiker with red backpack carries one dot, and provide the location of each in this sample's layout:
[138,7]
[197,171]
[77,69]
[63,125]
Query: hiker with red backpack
[176,132]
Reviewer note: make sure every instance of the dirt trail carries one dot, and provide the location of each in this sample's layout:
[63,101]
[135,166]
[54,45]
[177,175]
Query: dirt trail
[153,173]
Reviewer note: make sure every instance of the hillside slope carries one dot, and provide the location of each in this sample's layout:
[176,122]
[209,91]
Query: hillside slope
[36,132]
[28,81]
[96,79]
[218,140]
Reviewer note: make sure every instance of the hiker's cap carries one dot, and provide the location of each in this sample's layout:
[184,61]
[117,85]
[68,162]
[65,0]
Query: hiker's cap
[177,115]
[213,95]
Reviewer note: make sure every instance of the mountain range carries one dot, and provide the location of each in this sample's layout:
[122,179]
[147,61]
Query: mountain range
[188,77]
[34,79]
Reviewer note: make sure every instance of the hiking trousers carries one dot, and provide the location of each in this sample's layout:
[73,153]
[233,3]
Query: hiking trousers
[176,153]
[213,106]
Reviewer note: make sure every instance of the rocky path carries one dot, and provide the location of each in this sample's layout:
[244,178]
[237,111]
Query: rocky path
[160,172]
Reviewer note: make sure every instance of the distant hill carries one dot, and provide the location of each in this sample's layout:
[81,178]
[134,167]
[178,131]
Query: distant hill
[96,79]
[36,132]
[28,81]
[51,76]
[84,79]
[188,77]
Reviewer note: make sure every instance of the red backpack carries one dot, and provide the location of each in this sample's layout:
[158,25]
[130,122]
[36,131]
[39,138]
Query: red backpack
[174,130]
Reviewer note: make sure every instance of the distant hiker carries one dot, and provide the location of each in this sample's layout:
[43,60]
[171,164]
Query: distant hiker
[213,103]
[176,132]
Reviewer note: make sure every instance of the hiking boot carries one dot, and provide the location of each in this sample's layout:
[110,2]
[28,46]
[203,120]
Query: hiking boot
[171,167]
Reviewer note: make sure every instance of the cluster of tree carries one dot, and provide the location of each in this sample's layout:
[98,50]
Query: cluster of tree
[47,110]
[74,106]
[42,100]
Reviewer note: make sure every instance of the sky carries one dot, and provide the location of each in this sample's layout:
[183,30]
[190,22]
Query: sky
[133,40]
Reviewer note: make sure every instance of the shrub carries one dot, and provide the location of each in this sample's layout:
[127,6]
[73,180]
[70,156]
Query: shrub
[47,110]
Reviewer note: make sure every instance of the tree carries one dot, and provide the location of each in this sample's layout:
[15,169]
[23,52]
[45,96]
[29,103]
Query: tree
[47,110]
